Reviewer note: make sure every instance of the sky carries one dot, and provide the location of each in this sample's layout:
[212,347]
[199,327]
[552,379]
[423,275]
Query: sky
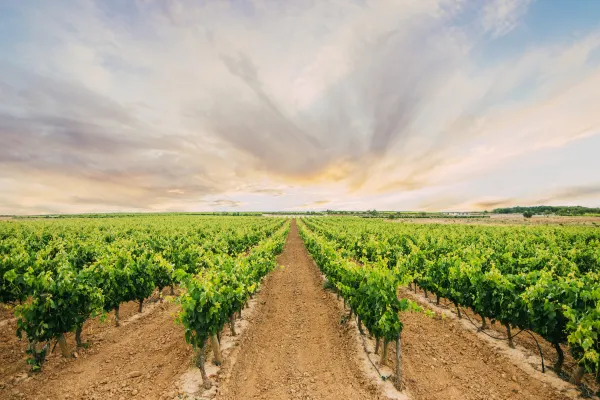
[183,105]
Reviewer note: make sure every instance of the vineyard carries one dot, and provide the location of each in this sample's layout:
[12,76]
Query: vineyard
[59,276]
[544,280]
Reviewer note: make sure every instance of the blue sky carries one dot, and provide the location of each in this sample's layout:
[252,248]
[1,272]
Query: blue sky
[262,105]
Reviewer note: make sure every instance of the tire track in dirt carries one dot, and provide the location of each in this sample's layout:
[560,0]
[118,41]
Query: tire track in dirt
[295,348]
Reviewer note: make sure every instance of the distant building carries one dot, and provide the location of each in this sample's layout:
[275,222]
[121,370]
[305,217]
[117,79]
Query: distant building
[463,214]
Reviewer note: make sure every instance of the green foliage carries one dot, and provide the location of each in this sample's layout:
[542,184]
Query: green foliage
[13,287]
[161,271]
[66,271]
[60,301]
[369,290]
[214,294]
[111,273]
[542,210]
[583,321]
[545,279]
[142,276]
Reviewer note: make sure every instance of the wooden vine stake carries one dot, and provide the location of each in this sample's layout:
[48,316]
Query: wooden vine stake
[214,341]
[232,325]
[117,323]
[510,338]
[384,353]
[398,377]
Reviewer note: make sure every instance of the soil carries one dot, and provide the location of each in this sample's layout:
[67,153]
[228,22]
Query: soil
[296,348]
[442,360]
[508,219]
[142,358]
[525,344]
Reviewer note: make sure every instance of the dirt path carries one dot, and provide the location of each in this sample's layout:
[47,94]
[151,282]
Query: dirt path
[296,348]
[141,359]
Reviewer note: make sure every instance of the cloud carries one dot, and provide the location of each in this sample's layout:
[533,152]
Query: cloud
[269,191]
[166,105]
[492,204]
[571,193]
[318,204]
[225,203]
[499,17]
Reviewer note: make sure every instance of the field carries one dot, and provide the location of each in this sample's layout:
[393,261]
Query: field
[510,219]
[237,307]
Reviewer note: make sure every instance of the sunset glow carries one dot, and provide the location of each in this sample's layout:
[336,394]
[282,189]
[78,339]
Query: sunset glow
[294,105]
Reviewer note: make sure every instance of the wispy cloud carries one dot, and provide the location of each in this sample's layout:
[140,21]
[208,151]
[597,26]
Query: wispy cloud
[572,193]
[313,205]
[502,16]
[565,195]
[492,204]
[226,203]
[269,191]
[186,105]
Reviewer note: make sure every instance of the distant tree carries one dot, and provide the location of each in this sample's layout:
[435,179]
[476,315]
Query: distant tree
[528,214]
[548,210]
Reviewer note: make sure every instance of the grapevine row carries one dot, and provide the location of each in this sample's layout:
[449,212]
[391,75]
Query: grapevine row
[214,295]
[61,273]
[369,289]
[541,279]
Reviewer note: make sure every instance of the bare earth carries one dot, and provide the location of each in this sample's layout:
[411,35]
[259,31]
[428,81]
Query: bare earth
[296,347]
[525,342]
[141,359]
[508,219]
[444,361]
